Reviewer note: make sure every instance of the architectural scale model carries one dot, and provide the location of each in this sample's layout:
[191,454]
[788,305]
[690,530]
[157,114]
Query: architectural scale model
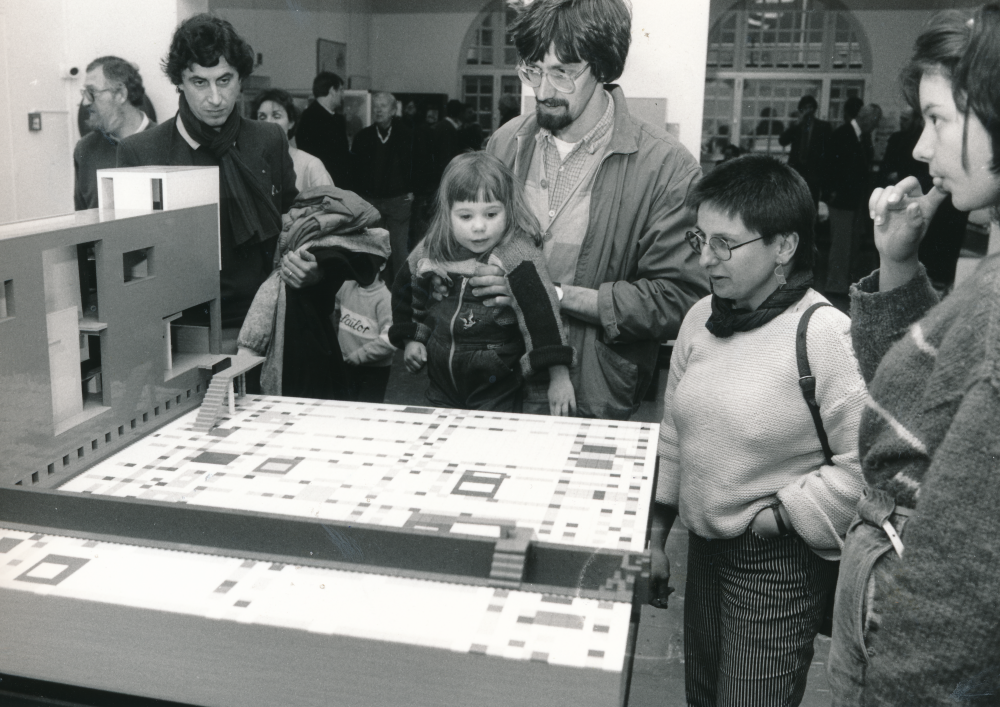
[94,344]
[282,551]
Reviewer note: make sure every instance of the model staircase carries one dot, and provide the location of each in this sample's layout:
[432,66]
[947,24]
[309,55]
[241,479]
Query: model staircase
[218,391]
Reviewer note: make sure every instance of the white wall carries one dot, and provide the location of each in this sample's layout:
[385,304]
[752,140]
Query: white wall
[39,40]
[287,39]
[418,52]
[890,35]
[667,60]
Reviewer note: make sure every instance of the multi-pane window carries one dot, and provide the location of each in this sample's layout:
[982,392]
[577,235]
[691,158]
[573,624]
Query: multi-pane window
[769,106]
[763,56]
[784,39]
[478,93]
[480,51]
[488,63]
[840,91]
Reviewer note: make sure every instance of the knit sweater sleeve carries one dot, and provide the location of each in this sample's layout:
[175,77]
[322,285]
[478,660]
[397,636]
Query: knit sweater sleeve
[938,642]
[822,502]
[536,306]
[879,319]
[938,636]
[668,479]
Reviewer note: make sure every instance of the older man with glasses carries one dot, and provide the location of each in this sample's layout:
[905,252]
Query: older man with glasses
[113,96]
[609,192]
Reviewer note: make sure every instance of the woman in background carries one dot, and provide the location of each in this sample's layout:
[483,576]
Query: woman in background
[277,106]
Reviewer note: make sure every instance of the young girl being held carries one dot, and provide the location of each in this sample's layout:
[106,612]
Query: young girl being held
[477,357]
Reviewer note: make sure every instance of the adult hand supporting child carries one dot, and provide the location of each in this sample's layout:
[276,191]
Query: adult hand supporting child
[491,281]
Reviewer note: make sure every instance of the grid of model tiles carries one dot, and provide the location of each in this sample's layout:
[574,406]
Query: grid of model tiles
[572,481]
[516,625]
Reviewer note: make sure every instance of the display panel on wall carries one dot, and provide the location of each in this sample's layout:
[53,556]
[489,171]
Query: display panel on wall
[357,110]
[331,56]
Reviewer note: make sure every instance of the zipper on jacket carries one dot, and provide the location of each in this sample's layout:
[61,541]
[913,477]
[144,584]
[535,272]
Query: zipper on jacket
[451,333]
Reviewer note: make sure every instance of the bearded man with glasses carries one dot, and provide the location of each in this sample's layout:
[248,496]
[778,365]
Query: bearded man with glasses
[609,192]
[113,96]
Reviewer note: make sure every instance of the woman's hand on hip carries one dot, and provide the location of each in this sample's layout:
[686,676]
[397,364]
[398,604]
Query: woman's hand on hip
[765,524]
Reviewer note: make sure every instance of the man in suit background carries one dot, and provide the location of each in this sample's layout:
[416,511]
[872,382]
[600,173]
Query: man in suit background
[207,62]
[322,132]
[447,139]
[849,185]
[809,137]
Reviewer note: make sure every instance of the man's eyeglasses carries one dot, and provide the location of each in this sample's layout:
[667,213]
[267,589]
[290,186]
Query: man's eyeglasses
[719,247]
[89,93]
[561,81]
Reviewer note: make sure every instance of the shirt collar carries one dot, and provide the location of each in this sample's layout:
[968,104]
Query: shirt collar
[592,139]
[185,134]
[142,126]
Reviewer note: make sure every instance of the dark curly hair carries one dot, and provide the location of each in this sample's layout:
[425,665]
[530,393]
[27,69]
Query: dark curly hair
[595,31]
[120,71]
[283,99]
[769,197]
[204,39]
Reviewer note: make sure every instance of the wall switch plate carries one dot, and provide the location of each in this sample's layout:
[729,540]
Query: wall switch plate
[34,122]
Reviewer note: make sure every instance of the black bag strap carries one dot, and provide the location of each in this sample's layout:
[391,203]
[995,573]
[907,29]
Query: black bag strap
[807,381]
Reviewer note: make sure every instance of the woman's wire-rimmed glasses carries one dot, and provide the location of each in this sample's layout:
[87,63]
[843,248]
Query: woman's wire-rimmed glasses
[719,247]
[561,81]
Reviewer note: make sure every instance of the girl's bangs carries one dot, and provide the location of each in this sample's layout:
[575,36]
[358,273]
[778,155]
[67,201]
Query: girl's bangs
[476,185]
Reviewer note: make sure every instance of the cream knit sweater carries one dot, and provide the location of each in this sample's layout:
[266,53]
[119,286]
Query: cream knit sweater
[737,435]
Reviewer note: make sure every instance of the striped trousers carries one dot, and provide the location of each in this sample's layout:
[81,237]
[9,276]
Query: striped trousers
[751,612]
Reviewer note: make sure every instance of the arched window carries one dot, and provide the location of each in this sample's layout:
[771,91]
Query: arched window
[764,55]
[487,63]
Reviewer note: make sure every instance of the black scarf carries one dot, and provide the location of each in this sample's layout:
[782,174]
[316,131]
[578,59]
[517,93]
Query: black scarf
[252,214]
[726,319]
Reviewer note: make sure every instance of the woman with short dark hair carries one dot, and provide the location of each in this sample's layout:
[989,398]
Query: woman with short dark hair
[278,107]
[765,493]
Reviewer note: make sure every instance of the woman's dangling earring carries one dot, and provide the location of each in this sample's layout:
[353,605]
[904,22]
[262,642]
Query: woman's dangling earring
[779,274]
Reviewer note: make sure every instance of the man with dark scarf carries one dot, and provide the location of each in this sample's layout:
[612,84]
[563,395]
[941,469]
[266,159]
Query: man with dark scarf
[207,62]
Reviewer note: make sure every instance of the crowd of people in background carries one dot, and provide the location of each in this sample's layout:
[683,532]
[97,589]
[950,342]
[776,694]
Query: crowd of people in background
[541,273]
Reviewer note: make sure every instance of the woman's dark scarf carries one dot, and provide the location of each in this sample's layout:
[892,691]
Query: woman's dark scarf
[726,319]
[251,211]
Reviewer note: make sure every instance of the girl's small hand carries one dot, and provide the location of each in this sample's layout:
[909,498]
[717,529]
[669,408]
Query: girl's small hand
[439,287]
[353,358]
[414,356]
[562,397]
